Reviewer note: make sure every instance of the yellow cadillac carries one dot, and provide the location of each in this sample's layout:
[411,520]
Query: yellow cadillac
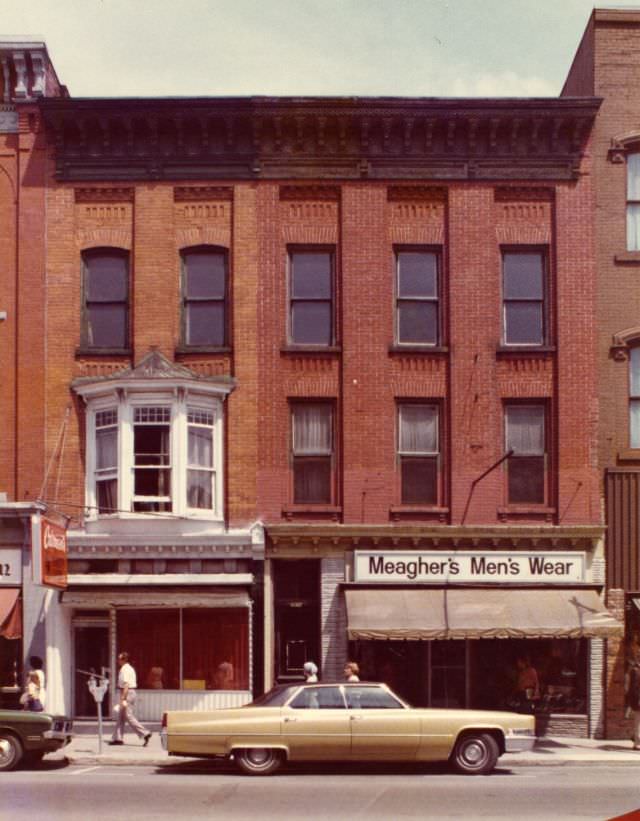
[345,722]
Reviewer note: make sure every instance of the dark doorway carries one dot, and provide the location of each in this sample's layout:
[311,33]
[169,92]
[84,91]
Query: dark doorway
[297,616]
[91,655]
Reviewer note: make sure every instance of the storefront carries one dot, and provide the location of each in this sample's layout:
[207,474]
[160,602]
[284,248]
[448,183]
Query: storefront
[498,629]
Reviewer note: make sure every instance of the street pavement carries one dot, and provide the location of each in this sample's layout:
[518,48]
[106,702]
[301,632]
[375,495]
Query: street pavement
[556,751]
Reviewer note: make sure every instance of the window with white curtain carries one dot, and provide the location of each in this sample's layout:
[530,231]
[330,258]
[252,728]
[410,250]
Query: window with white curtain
[633,202]
[634,397]
[155,455]
[312,446]
[526,467]
[418,453]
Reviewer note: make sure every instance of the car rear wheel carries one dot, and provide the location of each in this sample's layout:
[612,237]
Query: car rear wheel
[258,760]
[475,754]
[10,751]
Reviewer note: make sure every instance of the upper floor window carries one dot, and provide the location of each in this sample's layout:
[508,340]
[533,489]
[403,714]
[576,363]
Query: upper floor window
[106,298]
[417,292]
[633,202]
[205,297]
[313,447]
[634,397]
[311,297]
[524,290]
[419,452]
[527,466]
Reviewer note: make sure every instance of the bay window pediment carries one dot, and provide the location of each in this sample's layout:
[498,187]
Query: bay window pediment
[154,441]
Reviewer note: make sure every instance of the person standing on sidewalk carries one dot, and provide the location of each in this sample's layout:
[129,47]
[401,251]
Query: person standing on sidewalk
[127,686]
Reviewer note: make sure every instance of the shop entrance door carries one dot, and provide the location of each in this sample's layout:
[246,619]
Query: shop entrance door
[91,653]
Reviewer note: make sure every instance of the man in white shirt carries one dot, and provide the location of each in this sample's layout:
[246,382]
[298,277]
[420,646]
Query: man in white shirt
[127,686]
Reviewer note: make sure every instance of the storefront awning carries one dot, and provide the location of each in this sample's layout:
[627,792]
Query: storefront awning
[154,598]
[411,614]
[10,613]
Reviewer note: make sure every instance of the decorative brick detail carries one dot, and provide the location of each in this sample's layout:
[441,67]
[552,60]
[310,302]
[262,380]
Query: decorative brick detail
[518,194]
[416,193]
[201,193]
[333,618]
[104,237]
[310,211]
[310,234]
[325,193]
[203,235]
[104,194]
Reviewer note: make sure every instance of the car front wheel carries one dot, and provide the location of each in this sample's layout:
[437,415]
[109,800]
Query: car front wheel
[475,754]
[258,760]
[10,751]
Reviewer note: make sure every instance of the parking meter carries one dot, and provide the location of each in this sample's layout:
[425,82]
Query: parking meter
[98,686]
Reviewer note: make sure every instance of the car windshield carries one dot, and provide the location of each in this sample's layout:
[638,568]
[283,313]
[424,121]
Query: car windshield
[275,697]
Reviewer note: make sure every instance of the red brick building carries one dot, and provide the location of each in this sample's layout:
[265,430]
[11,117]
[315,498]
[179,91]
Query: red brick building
[607,65]
[364,325]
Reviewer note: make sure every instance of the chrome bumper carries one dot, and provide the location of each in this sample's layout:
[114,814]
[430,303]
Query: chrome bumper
[163,740]
[57,735]
[519,743]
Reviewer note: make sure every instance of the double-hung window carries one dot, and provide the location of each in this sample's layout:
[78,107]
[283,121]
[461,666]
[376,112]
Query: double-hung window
[311,297]
[633,202]
[418,453]
[106,299]
[417,298]
[527,465]
[312,452]
[524,296]
[205,297]
[634,397]
[106,460]
[152,458]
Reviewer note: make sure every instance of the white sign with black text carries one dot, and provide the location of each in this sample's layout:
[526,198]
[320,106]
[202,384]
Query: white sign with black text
[470,567]
[10,567]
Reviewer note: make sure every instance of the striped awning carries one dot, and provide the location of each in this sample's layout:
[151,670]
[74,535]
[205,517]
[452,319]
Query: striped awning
[10,613]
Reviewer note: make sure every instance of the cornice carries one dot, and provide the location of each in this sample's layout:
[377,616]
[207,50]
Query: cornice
[307,138]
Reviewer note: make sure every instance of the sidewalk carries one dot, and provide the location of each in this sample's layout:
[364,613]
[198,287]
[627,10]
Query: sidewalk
[555,751]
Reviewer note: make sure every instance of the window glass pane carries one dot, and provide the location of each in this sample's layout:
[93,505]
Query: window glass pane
[107,495]
[200,489]
[371,698]
[311,323]
[418,429]
[106,448]
[523,276]
[448,687]
[200,446]
[107,326]
[216,648]
[634,420]
[525,429]
[634,371]
[417,274]
[633,227]
[523,321]
[312,480]
[419,480]
[633,177]
[151,444]
[205,275]
[106,278]
[418,322]
[312,428]
[526,479]
[151,637]
[318,698]
[311,275]
[205,323]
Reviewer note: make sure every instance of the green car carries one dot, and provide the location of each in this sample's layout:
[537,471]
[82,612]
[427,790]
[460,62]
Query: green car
[27,736]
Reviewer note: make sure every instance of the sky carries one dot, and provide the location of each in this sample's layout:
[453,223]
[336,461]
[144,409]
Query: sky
[424,48]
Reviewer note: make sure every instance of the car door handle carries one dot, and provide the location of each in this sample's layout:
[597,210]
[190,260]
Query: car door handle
[290,718]
[356,718]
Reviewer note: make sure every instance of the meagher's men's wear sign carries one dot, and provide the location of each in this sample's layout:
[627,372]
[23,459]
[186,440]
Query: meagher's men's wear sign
[438,567]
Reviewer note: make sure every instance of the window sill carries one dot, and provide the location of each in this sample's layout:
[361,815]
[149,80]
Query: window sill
[215,349]
[436,350]
[428,512]
[331,512]
[629,455]
[329,350]
[627,258]
[84,351]
[525,350]
[541,512]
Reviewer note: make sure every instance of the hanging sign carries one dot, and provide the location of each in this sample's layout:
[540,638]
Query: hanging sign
[469,567]
[49,552]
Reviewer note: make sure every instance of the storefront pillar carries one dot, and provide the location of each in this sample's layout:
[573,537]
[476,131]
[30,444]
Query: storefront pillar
[333,617]
[269,630]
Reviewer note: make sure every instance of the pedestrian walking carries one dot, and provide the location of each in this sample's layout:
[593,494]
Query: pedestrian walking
[36,665]
[124,709]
